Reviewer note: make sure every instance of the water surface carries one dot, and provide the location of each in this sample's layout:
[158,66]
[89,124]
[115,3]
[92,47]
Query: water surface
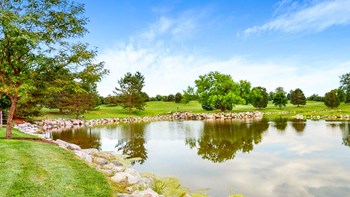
[256,158]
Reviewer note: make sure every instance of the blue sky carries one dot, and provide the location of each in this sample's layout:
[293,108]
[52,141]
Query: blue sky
[293,44]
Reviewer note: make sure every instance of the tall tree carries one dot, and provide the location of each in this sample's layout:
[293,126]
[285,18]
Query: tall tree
[331,99]
[279,97]
[297,97]
[216,90]
[259,97]
[244,88]
[36,35]
[130,93]
[345,85]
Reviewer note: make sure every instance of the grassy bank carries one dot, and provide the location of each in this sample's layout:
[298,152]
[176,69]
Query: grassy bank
[312,108]
[39,169]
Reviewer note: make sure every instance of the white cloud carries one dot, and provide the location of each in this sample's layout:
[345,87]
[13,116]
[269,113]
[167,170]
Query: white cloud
[167,71]
[310,18]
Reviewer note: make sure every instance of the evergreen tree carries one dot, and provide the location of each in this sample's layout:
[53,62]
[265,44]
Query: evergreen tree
[130,93]
[297,97]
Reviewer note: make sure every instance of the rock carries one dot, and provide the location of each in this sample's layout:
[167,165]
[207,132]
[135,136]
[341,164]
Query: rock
[100,161]
[146,193]
[68,145]
[130,176]
[115,169]
[106,155]
[83,155]
[90,151]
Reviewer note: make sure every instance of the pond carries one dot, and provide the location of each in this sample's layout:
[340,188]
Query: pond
[253,158]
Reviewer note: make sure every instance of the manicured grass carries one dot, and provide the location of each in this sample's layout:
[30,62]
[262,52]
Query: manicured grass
[15,134]
[39,169]
[159,108]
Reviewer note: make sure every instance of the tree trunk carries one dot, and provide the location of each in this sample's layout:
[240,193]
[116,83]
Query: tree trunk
[10,117]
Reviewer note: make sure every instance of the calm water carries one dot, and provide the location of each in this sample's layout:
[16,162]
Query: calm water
[264,158]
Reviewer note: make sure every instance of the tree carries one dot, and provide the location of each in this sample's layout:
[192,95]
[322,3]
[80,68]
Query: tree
[36,35]
[279,97]
[170,98]
[345,85]
[331,99]
[297,97]
[219,91]
[178,97]
[244,88]
[189,95]
[130,93]
[259,97]
[341,94]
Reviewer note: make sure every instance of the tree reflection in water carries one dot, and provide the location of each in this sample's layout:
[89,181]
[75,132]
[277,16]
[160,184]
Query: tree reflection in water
[133,142]
[299,126]
[220,140]
[83,137]
[281,124]
[346,133]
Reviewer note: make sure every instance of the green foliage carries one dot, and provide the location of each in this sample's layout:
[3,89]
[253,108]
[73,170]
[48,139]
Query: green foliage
[5,102]
[259,97]
[189,95]
[77,103]
[297,97]
[345,85]
[341,94]
[219,91]
[244,88]
[171,98]
[315,97]
[38,58]
[130,93]
[279,98]
[331,99]
[178,97]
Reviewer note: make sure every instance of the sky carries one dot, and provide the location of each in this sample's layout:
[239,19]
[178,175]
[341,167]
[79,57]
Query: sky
[294,44]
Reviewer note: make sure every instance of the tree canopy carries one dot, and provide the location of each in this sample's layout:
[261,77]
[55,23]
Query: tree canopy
[36,40]
[331,99]
[259,97]
[129,93]
[279,98]
[218,91]
[345,85]
[297,97]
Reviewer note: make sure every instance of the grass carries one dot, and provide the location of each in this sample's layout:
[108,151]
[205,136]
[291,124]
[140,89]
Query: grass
[39,169]
[312,108]
[16,134]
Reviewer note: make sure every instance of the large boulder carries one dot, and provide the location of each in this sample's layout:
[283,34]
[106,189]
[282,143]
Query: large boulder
[130,176]
[67,145]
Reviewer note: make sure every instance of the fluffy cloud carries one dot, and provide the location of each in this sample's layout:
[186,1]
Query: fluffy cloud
[167,71]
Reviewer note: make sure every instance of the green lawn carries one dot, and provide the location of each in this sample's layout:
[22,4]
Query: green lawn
[38,169]
[16,134]
[157,107]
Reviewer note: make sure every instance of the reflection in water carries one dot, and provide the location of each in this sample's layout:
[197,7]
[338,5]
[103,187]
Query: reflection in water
[133,142]
[346,133]
[281,124]
[299,125]
[220,140]
[202,152]
[84,137]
